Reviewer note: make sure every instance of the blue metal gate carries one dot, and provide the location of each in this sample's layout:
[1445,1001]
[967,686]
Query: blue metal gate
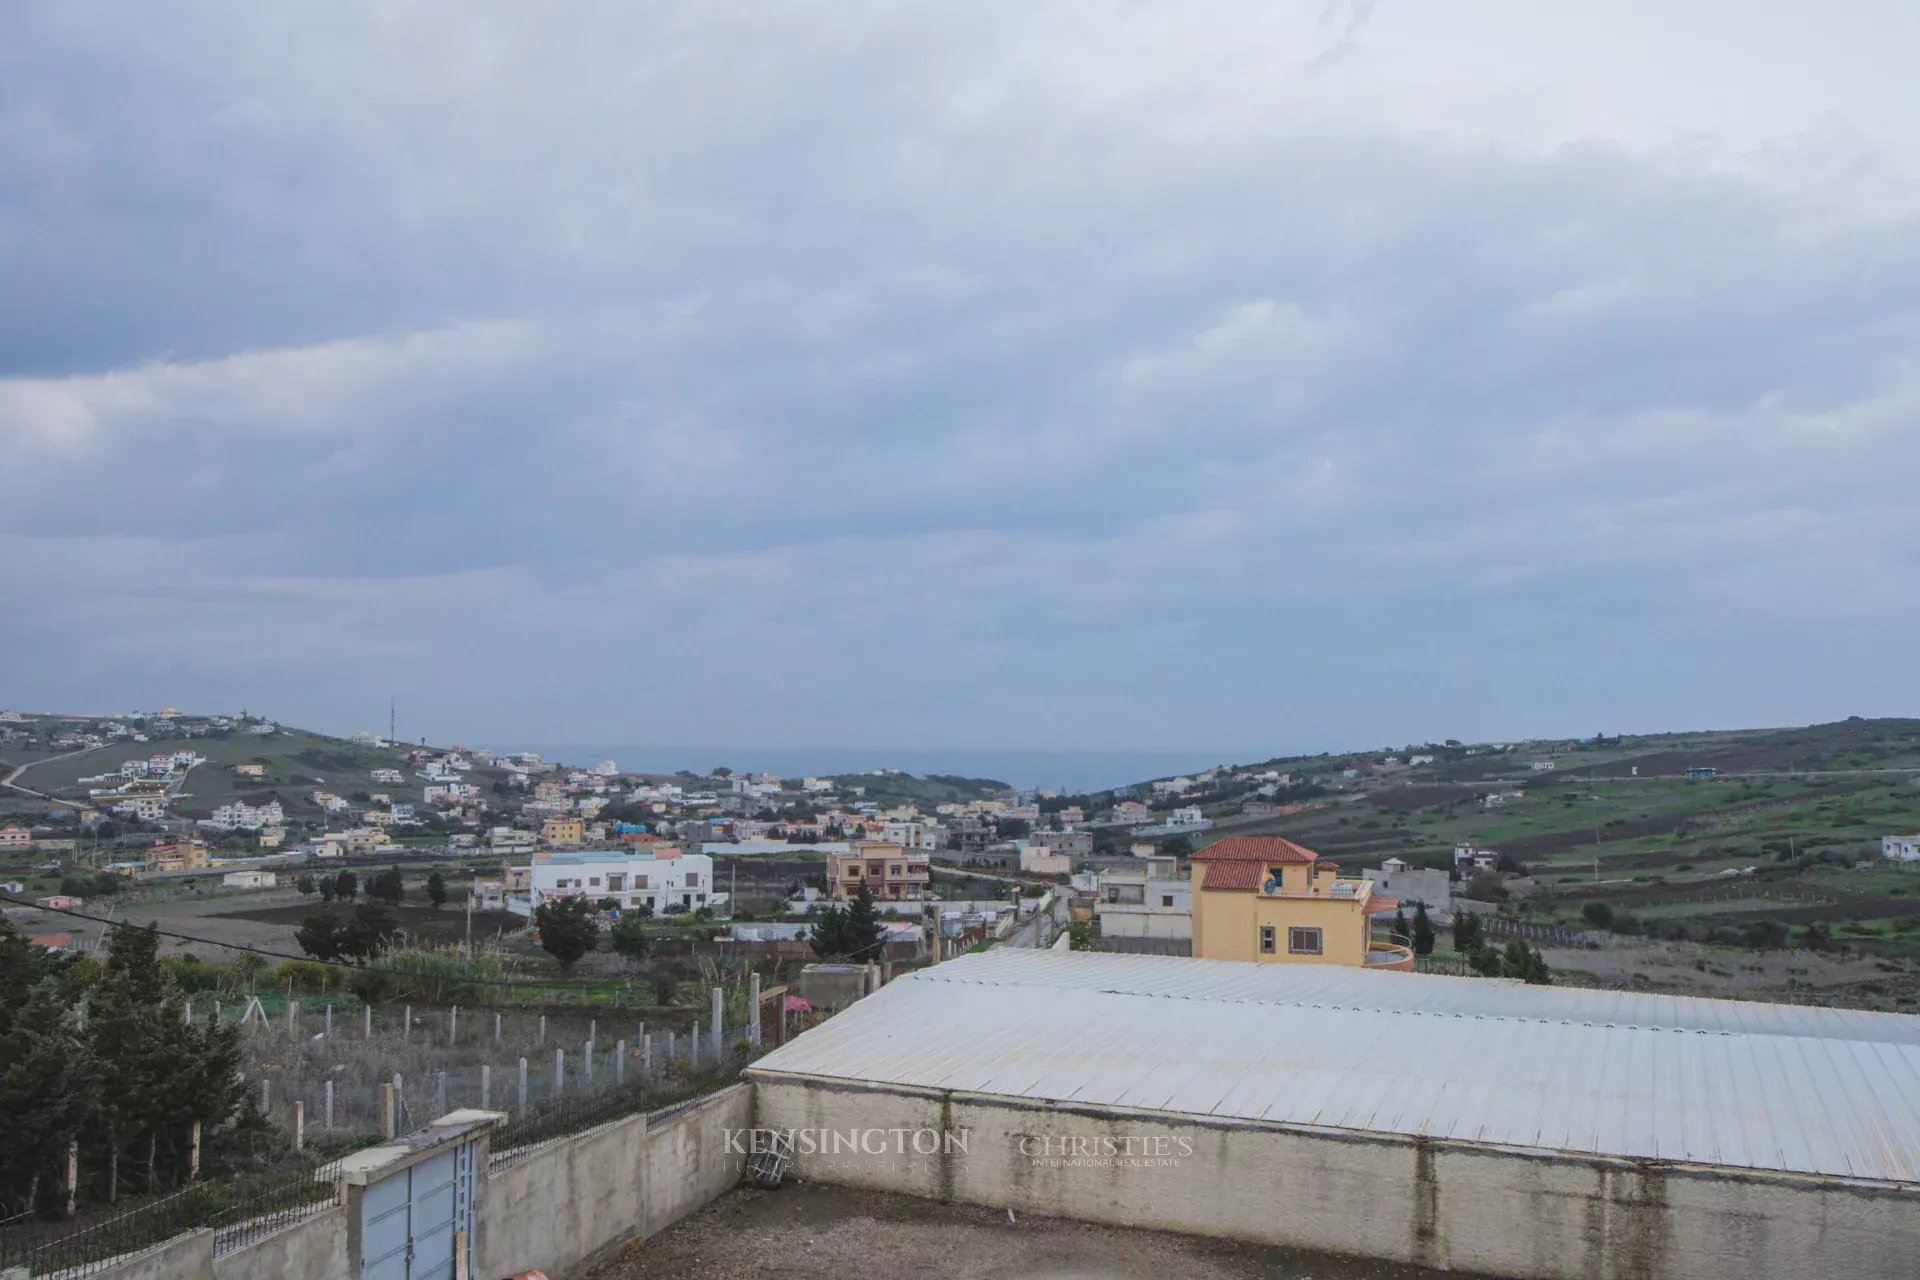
[413,1223]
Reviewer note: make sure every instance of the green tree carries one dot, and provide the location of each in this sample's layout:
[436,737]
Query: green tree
[347,885]
[1422,930]
[1598,914]
[48,1084]
[322,934]
[1521,961]
[387,886]
[629,938]
[828,937]
[850,932]
[1401,929]
[330,934]
[1083,935]
[304,884]
[369,932]
[1466,931]
[437,890]
[158,1074]
[567,931]
[328,887]
[865,932]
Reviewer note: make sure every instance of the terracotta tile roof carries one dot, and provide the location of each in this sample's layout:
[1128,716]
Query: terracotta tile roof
[1240,877]
[1262,849]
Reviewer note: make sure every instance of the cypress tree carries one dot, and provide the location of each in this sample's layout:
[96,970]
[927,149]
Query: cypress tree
[1422,930]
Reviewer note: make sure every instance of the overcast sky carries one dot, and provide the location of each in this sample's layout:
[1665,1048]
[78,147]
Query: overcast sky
[1265,375]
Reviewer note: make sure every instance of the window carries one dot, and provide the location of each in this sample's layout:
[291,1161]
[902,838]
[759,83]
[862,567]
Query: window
[693,878]
[1266,939]
[1166,899]
[595,882]
[1303,942]
[617,882]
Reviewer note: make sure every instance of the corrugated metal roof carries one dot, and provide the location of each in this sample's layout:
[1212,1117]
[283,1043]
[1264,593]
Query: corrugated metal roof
[1713,1082]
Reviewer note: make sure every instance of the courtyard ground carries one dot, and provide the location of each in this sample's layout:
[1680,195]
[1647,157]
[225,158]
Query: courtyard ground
[808,1230]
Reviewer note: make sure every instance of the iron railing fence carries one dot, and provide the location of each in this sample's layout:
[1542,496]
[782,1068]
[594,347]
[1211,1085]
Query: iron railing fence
[238,1211]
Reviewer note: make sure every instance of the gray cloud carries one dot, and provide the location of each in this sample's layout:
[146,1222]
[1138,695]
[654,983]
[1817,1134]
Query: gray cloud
[1051,375]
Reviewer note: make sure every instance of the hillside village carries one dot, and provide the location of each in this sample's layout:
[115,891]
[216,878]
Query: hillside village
[1765,842]
[376,942]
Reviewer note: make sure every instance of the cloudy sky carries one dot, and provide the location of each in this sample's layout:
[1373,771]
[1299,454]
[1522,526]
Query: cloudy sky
[1264,375]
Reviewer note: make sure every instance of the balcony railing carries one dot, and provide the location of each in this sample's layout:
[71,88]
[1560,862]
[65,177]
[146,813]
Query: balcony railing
[1342,889]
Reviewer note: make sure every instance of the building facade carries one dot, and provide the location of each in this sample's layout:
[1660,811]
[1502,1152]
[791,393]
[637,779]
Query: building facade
[1267,900]
[562,832]
[182,855]
[1142,904]
[1402,881]
[890,872]
[665,880]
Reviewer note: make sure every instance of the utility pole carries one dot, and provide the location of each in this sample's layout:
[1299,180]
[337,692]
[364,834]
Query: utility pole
[390,719]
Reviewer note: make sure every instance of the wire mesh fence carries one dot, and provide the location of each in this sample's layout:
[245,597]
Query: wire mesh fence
[336,1064]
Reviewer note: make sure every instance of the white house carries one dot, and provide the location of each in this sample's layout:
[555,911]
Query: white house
[1143,904]
[1900,848]
[1037,859]
[143,806]
[249,880]
[508,839]
[240,816]
[664,879]
[915,835]
[1466,855]
[1187,817]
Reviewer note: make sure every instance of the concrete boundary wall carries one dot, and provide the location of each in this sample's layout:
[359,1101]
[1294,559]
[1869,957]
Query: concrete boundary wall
[558,1209]
[1499,1211]
[571,1203]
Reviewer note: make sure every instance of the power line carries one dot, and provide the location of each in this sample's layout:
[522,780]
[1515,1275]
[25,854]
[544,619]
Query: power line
[282,955]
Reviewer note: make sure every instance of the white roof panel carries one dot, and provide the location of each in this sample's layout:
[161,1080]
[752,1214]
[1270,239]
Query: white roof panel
[1716,1082]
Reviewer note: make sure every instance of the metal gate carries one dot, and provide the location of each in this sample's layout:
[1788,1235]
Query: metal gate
[415,1224]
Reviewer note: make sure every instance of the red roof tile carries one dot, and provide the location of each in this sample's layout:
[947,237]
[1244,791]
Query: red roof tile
[1376,904]
[1240,877]
[1263,849]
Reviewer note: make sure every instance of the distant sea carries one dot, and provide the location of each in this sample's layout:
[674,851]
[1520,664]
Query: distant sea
[1068,771]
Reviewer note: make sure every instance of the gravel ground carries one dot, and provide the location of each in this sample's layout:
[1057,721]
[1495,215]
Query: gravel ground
[808,1230]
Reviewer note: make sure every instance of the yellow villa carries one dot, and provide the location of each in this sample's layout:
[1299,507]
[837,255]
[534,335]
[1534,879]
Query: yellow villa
[1270,901]
[563,831]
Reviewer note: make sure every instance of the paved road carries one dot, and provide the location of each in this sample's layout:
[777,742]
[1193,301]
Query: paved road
[1039,929]
[11,780]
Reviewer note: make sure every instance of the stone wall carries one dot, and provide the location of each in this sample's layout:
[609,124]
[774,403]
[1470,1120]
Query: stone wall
[1439,1204]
